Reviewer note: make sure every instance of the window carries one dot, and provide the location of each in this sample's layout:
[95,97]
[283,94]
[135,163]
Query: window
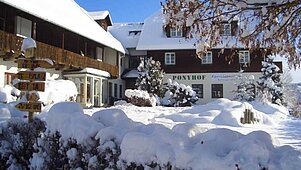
[135,33]
[8,78]
[97,95]
[244,57]
[23,26]
[217,90]
[198,88]
[115,90]
[120,91]
[110,89]
[170,58]
[89,89]
[176,32]
[227,29]
[99,53]
[207,59]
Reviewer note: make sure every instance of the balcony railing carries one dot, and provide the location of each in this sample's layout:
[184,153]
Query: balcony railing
[60,56]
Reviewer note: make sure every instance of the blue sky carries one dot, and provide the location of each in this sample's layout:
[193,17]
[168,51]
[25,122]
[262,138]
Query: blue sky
[123,10]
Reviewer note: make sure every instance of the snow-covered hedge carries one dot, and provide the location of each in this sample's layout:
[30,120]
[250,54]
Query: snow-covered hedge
[178,95]
[140,98]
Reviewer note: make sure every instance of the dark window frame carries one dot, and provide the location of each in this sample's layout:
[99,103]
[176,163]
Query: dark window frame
[199,91]
[217,91]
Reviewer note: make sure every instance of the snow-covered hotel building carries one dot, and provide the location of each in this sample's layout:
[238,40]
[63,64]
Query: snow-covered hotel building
[102,59]
[211,77]
[79,44]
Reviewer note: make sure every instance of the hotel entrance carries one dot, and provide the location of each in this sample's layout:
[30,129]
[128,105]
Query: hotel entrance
[91,88]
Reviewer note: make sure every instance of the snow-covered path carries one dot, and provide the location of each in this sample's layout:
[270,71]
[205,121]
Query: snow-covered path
[288,132]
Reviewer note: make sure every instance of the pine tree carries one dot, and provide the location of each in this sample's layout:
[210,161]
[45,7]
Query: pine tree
[245,88]
[270,84]
[150,76]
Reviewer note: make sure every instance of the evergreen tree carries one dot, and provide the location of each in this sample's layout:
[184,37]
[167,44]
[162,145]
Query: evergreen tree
[150,76]
[245,88]
[270,84]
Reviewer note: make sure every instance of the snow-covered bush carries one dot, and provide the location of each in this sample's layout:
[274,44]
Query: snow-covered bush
[150,76]
[178,95]
[140,98]
[8,94]
[17,141]
[245,88]
[270,87]
[53,152]
[58,91]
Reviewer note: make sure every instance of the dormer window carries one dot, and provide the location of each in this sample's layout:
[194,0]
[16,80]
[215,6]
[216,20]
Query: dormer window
[176,32]
[134,33]
[227,29]
[244,57]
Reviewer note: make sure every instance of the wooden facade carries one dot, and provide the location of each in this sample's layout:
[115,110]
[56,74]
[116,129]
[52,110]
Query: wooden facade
[186,61]
[66,48]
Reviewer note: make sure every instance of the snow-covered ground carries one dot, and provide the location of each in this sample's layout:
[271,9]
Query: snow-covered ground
[222,113]
[200,137]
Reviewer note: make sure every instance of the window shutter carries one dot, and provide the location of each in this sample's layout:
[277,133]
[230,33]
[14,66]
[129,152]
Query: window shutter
[234,27]
[186,31]
[167,30]
[221,29]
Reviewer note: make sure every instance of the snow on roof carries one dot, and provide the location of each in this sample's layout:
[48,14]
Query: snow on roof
[127,33]
[131,74]
[153,37]
[69,15]
[99,14]
[90,71]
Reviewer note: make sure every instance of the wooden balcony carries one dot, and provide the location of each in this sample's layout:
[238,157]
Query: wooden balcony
[61,57]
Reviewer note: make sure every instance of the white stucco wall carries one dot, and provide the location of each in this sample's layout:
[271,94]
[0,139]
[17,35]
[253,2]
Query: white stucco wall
[227,79]
[12,67]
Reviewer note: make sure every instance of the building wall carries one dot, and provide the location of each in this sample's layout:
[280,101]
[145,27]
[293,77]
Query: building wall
[188,62]
[11,67]
[207,79]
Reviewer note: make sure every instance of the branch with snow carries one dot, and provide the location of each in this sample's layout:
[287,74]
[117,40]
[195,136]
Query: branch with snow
[272,24]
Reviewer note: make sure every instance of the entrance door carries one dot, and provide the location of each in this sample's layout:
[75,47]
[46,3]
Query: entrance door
[104,91]
[97,92]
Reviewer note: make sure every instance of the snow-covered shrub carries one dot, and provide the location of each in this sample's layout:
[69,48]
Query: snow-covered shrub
[53,152]
[58,91]
[178,95]
[245,88]
[270,86]
[8,94]
[140,98]
[17,141]
[150,76]
[105,156]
